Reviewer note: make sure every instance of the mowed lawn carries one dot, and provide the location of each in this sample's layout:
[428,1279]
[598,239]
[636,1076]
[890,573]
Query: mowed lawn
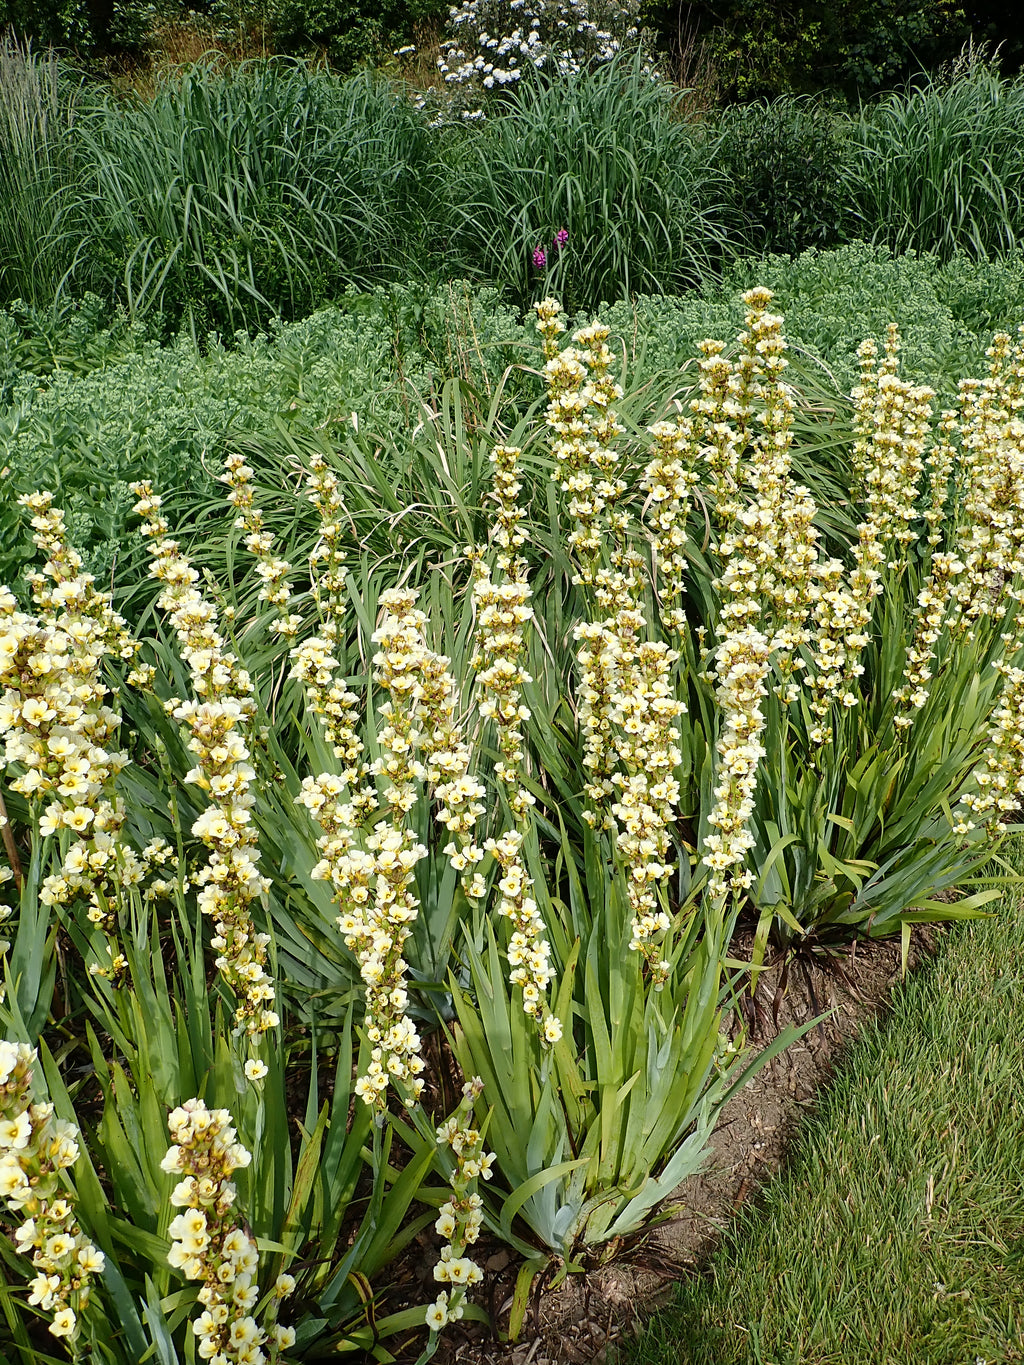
[897,1232]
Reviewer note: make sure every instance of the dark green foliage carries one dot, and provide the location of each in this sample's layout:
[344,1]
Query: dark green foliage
[63,23]
[786,163]
[87,27]
[857,46]
[352,33]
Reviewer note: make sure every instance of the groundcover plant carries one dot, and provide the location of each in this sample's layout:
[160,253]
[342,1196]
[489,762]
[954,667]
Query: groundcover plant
[389,906]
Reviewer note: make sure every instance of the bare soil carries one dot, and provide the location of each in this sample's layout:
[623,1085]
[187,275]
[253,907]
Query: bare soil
[587,1314]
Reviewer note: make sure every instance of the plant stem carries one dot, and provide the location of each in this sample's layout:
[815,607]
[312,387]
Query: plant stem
[9,846]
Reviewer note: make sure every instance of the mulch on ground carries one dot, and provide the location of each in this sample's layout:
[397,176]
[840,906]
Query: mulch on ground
[588,1313]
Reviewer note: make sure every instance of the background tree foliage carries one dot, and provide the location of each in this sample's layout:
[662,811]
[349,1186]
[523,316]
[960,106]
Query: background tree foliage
[757,48]
[856,46]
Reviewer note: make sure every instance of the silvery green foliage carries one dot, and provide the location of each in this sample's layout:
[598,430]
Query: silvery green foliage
[491,43]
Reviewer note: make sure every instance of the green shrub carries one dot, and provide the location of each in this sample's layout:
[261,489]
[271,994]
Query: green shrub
[946,311]
[120,407]
[786,166]
[857,46]
[353,33]
[61,23]
[90,28]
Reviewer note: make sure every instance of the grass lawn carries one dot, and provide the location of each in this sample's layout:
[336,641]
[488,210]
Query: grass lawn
[897,1232]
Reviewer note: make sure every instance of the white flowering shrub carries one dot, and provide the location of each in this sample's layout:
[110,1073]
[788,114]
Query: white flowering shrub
[527,794]
[490,44]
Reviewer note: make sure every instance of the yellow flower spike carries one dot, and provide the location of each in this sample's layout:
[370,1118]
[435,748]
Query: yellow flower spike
[271,569]
[1000,776]
[58,726]
[219,724]
[460,1218]
[34,1147]
[208,1244]
[741,666]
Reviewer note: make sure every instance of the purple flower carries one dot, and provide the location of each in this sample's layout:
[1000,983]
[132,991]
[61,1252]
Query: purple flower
[561,237]
[540,259]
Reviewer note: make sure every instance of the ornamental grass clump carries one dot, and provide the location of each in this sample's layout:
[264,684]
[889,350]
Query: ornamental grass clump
[605,157]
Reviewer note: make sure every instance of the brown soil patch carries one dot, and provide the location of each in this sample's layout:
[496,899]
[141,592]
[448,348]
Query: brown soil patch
[579,1321]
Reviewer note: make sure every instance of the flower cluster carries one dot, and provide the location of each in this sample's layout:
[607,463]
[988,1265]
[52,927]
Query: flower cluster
[941,586]
[328,581]
[991,534]
[549,325]
[378,935]
[581,416]
[491,43]
[669,482]
[219,723]
[840,617]
[719,403]
[627,714]
[210,1245]
[1000,776]
[598,656]
[316,667]
[626,705]
[460,1217]
[372,874]
[647,793]
[741,665]
[507,530]
[35,1148]
[891,426]
[58,728]
[940,463]
[540,254]
[528,950]
[769,551]
[72,595]
[271,569]
[933,603]
[502,611]
[447,759]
